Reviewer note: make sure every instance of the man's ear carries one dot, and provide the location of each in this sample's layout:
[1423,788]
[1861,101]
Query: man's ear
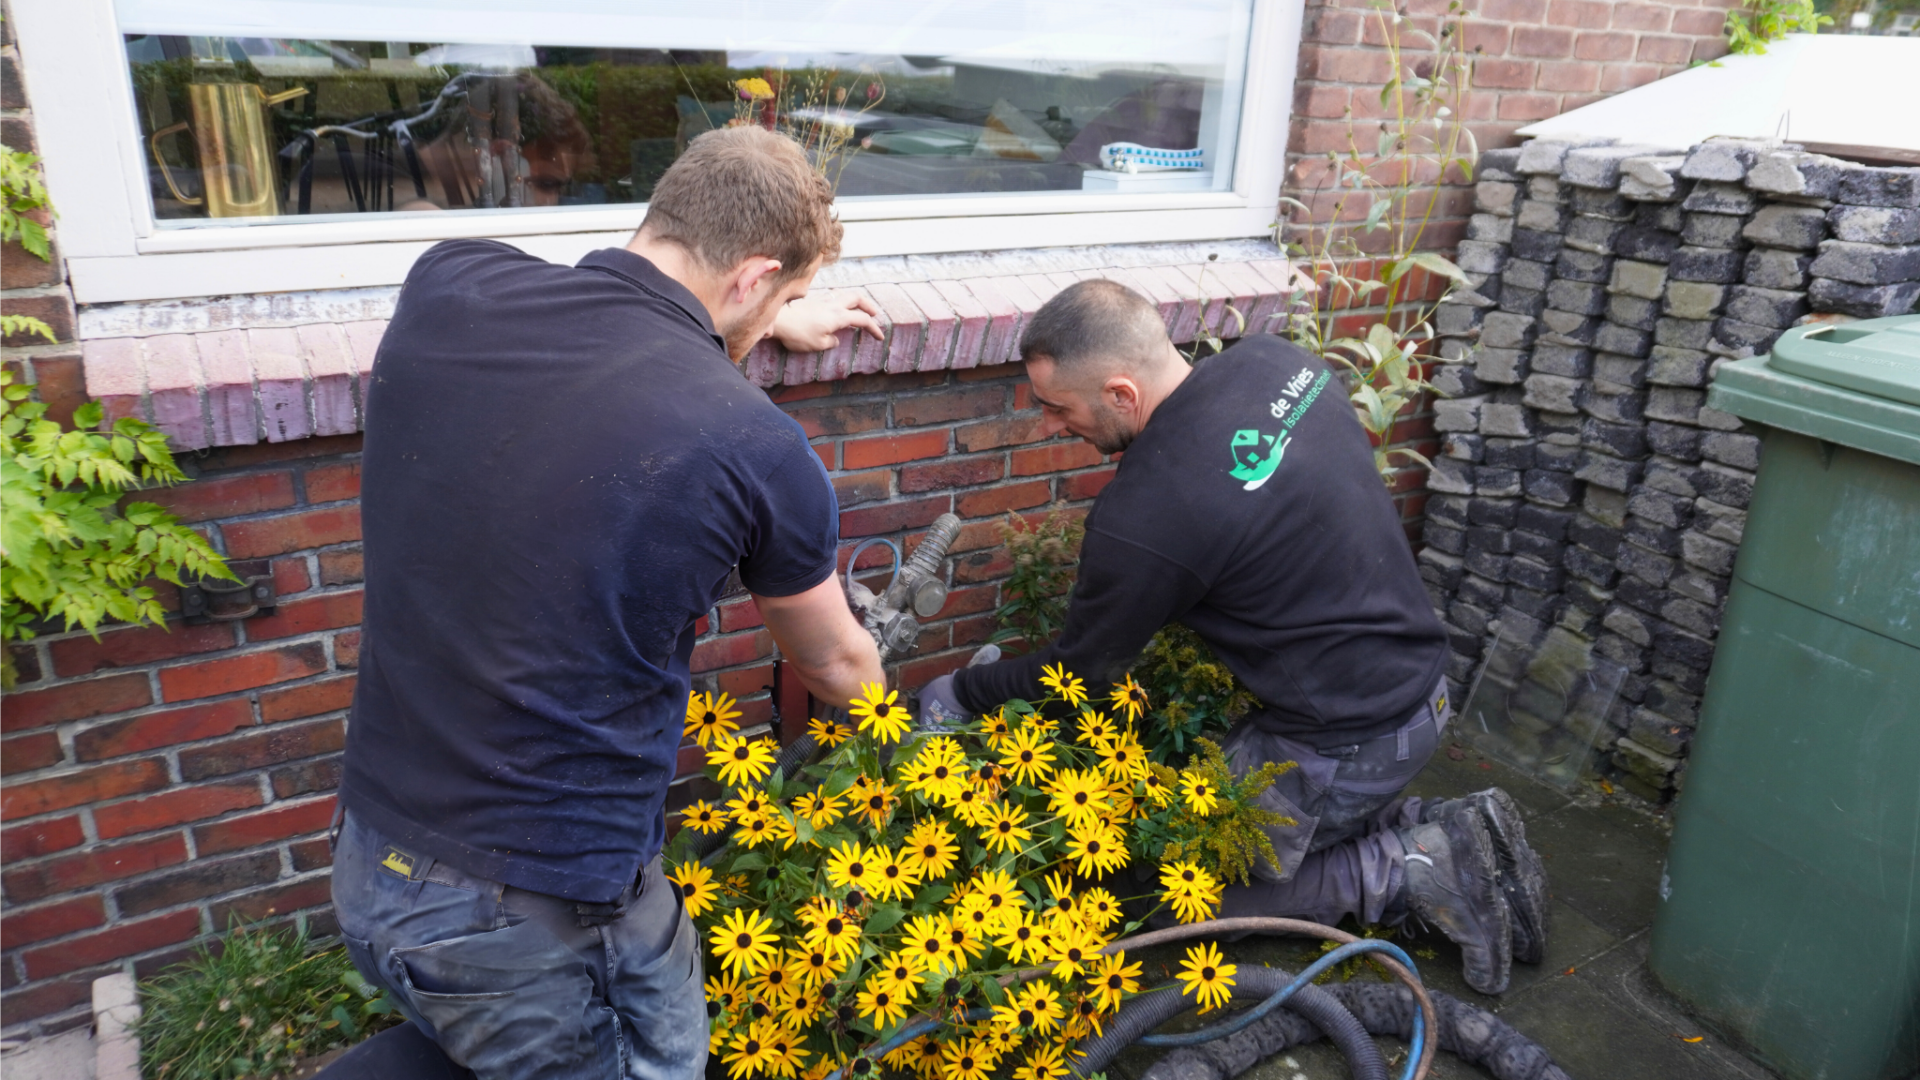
[1121,392]
[748,275]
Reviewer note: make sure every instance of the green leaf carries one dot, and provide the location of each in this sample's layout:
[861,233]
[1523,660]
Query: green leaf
[884,918]
[1434,263]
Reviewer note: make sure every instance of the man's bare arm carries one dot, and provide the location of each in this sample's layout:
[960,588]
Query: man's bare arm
[829,649]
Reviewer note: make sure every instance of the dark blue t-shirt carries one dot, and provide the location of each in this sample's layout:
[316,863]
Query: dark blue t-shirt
[562,467]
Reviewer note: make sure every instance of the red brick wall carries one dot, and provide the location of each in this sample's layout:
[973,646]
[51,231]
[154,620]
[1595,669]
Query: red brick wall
[158,782]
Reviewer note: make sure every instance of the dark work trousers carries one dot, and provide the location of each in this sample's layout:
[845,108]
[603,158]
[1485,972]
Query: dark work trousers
[516,985]
[1342,856]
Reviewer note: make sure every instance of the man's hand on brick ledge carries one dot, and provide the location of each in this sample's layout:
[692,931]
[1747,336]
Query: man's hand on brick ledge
[813,322]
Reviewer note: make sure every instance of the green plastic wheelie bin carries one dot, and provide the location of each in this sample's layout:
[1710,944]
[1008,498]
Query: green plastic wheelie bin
[1790,910]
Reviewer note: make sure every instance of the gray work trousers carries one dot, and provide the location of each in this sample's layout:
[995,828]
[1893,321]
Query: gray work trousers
[517,985]
[1342,856]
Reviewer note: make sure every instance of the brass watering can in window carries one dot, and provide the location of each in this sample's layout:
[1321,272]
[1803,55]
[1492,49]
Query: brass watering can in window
[230,131]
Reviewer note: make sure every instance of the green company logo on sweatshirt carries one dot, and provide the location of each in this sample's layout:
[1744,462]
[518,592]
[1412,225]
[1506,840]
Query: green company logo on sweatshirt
[1255,455]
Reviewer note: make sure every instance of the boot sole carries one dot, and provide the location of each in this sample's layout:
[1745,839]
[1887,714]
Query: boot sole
[1523,879]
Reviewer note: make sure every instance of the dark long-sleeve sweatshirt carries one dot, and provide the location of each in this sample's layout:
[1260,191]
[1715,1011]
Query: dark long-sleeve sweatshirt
[1249,509]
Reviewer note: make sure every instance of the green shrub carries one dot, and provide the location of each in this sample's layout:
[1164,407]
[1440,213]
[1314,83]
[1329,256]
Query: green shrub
[257,1006]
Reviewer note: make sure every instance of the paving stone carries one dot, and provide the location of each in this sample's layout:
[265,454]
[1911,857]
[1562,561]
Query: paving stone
[1640,594]
[1613,408]
[1656,732]
[1725,160]
[1542,521]
[1557,457]
[1538,245]
[1772,268]
[1455,477]
[1791,172]
[1633,311]
[1490,228]
[1674,440]
[1621,440]
[1716,420]
[1622,340]
[1713,556]
[1875,224]
[1766,307]
[1558,427]
[1500,367]
[1677,478]
[1740,338]
[1796,227]
[1506,454]
[1528,274]
[1550,217]
[1459,414]
[1477,256]
[1576,265]
[1456,380]
[1522,301]
[1682,333]
[1509,420]
[1464,446]
[1881,187]
[1618,372]
[1865,301]
[1538,548]
[1693,299]
[1501,164]
[1731,448]
[1646,243]
[1568,328]
[1602,203]
[1594,234]
[1607,471]
[1545,189]
[1669,366]
[1552,488]
[1545,155]
[1456,350]
[1725,485]
[1707,264]
[1670,403]
[1665,216]
[1711,197]
[1505,330]
[1654,177]
[1867,264]
[1495,197]
[1579,297]
[1480,592]
[1491,481]
[1563,360]
[1652,535]
[1452,509]
[1456,319]
[1635,278]
[1554,392]
[1724,523]
[1713,230]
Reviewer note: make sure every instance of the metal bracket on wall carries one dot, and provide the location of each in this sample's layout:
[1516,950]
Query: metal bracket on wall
[205,600]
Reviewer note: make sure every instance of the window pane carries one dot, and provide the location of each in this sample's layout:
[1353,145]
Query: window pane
[281,110]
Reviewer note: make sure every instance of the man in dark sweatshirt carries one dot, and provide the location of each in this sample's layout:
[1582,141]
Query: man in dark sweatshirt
[1248,508]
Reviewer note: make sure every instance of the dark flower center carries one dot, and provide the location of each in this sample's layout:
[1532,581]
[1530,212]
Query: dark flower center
[855,870]
[1080,797]
[1026,757]
[741,753]
[752,1047]
[1207,974]
[834,926]
[1187,875]
[1026,1018]
[744,941]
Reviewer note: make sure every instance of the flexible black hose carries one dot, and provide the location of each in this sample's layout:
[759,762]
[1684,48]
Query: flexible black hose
[1319,1013]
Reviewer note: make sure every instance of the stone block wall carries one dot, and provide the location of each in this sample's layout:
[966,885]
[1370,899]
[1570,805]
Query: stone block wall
[1584,480]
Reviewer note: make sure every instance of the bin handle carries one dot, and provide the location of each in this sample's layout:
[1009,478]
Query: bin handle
[166,171]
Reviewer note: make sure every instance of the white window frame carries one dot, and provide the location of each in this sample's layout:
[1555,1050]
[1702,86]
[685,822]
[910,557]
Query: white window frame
[84,119]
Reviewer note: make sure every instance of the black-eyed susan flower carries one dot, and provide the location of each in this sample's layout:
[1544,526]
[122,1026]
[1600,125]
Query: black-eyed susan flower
[892,880]
[1201,794]
[1094,728]
[929,850]
[1077,796]
[1083,1019]
[813,966]
[996,728]
[1190,889]
[818,808]
[1043,1062]
[751,1050]
[788,1055]
[1129,697]
[1112,979]
[925,942]
[1005,829]
[755,831]
[1099,909]
[1207,976]
[1043,1001]
[1070,688]
[966,1059]
[964,941]
[881,1003]
[697,889]
[710,716]
[741,761]
[939,771]
[829,732]
[1074,947]
[1061,897]
[1122,757]
[704,817]
[879,715]
[972,804]
[749,803]
[836,935]
[744,942]
[851,866]
[872,800]
[1020,938]
[1028,756]
[1096,850]
[900,972]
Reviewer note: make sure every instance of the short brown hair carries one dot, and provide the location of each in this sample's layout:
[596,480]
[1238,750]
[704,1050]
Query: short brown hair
[745,191]
[1094,325]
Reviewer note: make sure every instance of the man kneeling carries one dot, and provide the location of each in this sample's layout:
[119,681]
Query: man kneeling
[1248,508]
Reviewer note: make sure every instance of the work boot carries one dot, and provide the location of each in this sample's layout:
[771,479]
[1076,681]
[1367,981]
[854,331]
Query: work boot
[1523,879]
[1452,883]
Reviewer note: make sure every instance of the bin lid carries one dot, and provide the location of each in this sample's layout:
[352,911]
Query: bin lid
[1856,384]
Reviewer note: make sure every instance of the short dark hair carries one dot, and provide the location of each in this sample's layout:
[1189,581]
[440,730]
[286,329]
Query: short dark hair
[745,191]
[1095,323]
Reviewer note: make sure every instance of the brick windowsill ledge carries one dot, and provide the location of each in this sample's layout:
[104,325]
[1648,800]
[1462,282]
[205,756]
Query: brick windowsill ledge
[237,387]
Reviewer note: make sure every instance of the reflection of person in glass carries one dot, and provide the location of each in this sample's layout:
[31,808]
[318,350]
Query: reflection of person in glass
[515,143]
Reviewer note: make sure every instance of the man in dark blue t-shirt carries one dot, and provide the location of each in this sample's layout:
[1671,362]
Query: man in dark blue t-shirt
[563,467]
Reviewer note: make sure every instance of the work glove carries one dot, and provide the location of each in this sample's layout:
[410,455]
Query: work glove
[940,708]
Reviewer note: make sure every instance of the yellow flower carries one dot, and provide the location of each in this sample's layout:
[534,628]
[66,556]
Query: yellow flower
[1099,909]
[939,770]
[1129,697]
[910,1054]
[1207,976]
[829,732]
[812,966]
[881,1001]
[1095,727]
[966,1059]
[1190,889]
[1079,797]
[929,851]
[697,889]
[744,941]
[1085,1018]
[1157,789]
[726,992]
[837,935]
[1122,757]
[877,712]
[1074,946]
[1201,794]
[901,972]
[710,716]
[1063,899]
[741,761]
[1042,1063]
[787,1056]
[748,805]
[873,800]
[963,942]
[1112,979]
[773,983]
[756,831]
[1028,756]
[752,1049]
[851,866]
[818,808]
[1044,1001]
[925,941]
[1004,830]
[996,729]
[756,89]
[1096,851]
[972,804]
[704,817]
[1054,677]
[891,879]
[1021,938]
